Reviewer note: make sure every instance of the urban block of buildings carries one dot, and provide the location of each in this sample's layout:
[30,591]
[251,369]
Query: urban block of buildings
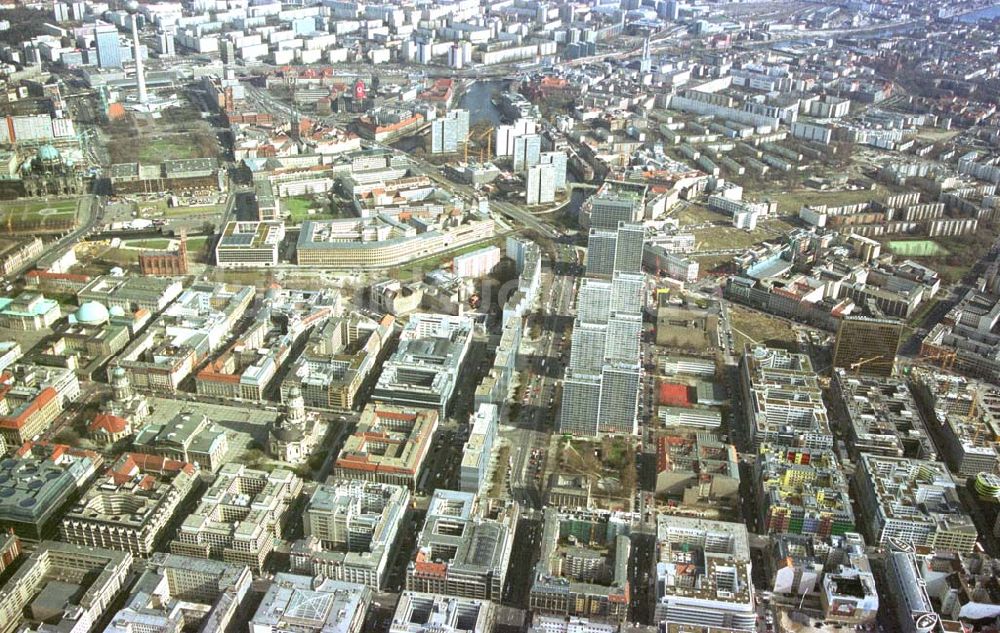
[464,547]
[239,517]
[388,446]
[176,591]
[911,501]
[782,400]
[424,370]
[129,507]
[583,569]
[350,530]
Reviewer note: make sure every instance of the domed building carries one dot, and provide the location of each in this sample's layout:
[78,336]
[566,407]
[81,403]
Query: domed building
[47,173]
[91,313]
[47,160]
[293,438]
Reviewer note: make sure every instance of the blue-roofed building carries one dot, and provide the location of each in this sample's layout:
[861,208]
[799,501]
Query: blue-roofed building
[28,312]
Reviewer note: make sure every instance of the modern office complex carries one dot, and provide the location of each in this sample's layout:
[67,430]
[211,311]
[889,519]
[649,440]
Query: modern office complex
[914,502]
[478,450]
[802,491]
[184,335]
[389,445]
[31,398]
[249,244]
[883,417]
[833,571]
[339,357]
[782,400]
[381,242]
[239,517]
[867,346]
[350,529]
[967,416]
[703,574]
[131,293]
[432,613]
[129,507]
[38,480]
[464,547]
[696,467]
[425,368]
[311,605]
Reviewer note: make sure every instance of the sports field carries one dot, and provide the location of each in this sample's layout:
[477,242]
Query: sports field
[917,248]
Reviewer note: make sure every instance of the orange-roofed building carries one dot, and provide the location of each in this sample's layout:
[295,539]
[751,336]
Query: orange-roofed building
[673,394]
[22,418]
[108,429]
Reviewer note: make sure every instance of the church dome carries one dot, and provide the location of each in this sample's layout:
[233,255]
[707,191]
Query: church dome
[48,154]
[91,313]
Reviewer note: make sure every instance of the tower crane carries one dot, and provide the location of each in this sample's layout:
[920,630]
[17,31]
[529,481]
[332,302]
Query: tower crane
[488,133]
[856,367]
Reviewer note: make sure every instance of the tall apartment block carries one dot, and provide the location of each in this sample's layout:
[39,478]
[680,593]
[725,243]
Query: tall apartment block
[527,151]
[449,133]
[601,385]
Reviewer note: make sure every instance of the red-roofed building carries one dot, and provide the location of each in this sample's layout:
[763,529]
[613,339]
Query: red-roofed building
[108,429]
[21,420]
[389,445]
[130,505]
[57,283]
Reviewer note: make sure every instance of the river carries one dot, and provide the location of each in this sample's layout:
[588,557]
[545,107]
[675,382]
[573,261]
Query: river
[477,100]
[987,13]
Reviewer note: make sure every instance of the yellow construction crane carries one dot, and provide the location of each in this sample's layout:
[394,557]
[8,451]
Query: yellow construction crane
[489,143]
[856,367]
[947,358]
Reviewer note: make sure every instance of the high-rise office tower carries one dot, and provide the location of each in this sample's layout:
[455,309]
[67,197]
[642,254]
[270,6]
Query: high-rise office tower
[559,162]
[628,292]
[628,247]
[618,250]
[540,184]
[587,348]
[592,300]
[109,50]
[505,135]
[580,410]
[616,202]
[601,247]
[624,332]
[449,133]
[867,346]
[619,399]
[527,151]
